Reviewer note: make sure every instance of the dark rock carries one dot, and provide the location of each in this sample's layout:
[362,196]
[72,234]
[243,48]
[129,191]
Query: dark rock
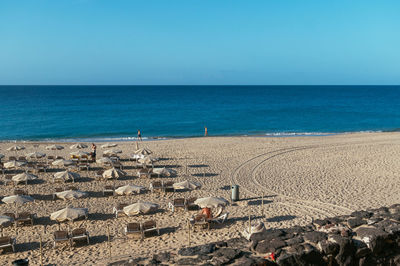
[328,247]
[320,222]
[221,244]
[361,214]
[368,261]
[252,261]
[266,246]
[294,241]
[267,235]
[164,256]
[375,237]
[315,237]
[346,251]
[312,257]
[287,259]
[355,222]
[362,252]
[197,250]
[225,255]
[295,230]
[374,220]
[395,216]
[189,261]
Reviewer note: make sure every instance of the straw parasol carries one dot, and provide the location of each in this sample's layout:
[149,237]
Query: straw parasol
[16,148]
[13,164]
[164,171]
[79,153]
[112,152]
[78,146]
[71,194]
[147,160]
[113,173]
[211,202]
[140,208]
[62,162]
[128,190]
[54,147]
[143,151]
[66,175]
[104,160]
[187,185]
[35,155]
[17,199]
[68,214]
[23,177]
[108,145]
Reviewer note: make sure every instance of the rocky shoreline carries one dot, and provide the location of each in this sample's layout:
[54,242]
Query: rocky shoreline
[368,237]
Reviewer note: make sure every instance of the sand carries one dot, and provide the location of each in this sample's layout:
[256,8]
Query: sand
[301,178]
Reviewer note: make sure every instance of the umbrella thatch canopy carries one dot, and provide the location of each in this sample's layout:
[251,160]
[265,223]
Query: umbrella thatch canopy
[128,190]
[112,152]
[71,194]
[23,177]
[187,185]
[62,162]
[140,208]
[211,202]
[104,160]
[109,145]
[147,160]
[16,148]
[66,175]
[13,164]
[68,214]
[78,146]
[143,151]
[54,147]
[113,173]
[17,199]
[79,153]
[164,171]
[35,155]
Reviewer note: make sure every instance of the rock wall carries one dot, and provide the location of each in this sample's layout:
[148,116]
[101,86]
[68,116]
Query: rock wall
[370,237]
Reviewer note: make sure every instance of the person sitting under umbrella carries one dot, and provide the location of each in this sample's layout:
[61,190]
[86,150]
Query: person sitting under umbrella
[206,213]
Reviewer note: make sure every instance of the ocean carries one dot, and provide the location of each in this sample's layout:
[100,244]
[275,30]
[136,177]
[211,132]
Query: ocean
[112,113]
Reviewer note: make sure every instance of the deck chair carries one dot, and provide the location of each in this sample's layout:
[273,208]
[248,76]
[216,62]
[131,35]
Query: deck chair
[50,159]
[108,190]
[200,221]
[99,175]
[177,203]
[83,166]
[24,218]
[149,227]
[2,169]
[7,242]
[144,173]
[12,158]
[79,234]
[190,203]
[22,159]
[220,218]
[156,185]
[119,209]
[60,237]
[134,229]
[19,192]
[41,167]
[118,164]
[169,186]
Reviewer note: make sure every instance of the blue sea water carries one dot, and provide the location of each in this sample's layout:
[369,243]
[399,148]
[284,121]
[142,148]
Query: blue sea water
[117,112]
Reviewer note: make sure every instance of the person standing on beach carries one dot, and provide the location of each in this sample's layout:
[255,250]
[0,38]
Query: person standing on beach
[139,135]
[205,132]
[94,152]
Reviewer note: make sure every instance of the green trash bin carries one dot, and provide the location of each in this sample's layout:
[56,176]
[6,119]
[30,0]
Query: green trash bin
[235,192]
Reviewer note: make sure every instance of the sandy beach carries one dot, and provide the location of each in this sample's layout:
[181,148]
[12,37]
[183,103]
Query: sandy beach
[300,178]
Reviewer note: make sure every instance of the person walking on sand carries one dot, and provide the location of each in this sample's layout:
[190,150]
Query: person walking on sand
[93,152]
[139,135]
[205,132]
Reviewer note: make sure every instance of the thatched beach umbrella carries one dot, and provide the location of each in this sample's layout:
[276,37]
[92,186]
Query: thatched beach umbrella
[143,151]
[24,177]
[66,175]
[128,190]
[113,173]
[16,148]
[62,162]
[140,208]
[190,185]
[78,146]
[17,199]
[54,147]
[108,145]
[35,155]
[211,202]
[79,153]
[13,164]
[147,160]
[69,214]
[71,194]
[164,171]
[104,160]
[112,152]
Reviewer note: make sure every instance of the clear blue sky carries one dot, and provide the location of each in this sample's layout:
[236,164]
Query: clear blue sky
[199,42]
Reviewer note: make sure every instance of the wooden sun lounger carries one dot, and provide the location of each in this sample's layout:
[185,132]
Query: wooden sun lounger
[108,190]
[168,186]
[190,203]
[119,209]
[8,180]
[7,242]
[60,237]
[134,229]
[177,203]
[79,234]
[150,226]
[24,218]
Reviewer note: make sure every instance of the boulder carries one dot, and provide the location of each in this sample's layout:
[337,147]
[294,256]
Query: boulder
[267,246]
[293,241]
[225,255]
[315,236]
[362,214]
[346,251]
[375,238]
[197,250]
[355,222]
[328,247]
